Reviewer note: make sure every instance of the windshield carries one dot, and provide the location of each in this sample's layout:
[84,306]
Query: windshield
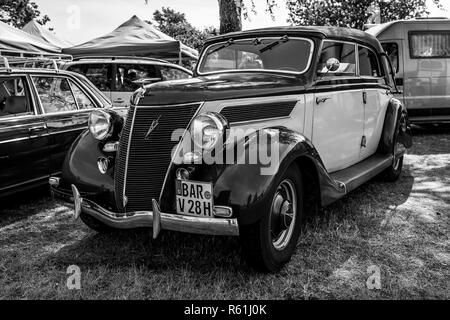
[275,53]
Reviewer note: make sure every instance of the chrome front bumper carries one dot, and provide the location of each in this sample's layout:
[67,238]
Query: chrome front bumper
[156,219]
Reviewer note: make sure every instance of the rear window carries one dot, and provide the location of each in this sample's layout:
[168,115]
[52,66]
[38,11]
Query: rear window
[368,63]
[429,44]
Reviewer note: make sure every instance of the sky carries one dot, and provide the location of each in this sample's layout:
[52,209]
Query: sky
[82,20]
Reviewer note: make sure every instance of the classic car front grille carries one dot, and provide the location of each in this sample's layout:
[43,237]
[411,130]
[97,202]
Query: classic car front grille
[142,162]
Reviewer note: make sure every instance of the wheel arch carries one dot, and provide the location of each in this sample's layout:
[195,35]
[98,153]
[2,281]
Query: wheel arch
[396,119]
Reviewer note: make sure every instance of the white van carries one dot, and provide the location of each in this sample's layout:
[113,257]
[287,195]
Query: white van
[420,52]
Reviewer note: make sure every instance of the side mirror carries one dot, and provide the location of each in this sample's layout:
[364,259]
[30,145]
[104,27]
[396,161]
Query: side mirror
[333,64]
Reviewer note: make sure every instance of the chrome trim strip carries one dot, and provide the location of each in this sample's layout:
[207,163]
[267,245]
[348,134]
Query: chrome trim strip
[28,116]
[24,138]
[65,131]
[126,158]
[43,135]
[167,221]
[240,123]
[43,178]
[311,51]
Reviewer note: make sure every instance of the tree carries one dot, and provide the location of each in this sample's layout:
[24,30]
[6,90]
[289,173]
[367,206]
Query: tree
[19,12]
[352,13]
[175,24]
[231,12]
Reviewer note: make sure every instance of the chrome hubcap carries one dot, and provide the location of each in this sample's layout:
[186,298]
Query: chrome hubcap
[283,214]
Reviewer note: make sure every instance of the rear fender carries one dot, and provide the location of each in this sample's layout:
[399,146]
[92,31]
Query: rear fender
[396,128]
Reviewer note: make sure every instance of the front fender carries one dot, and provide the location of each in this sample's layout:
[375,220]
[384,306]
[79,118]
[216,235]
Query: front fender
[80,168]
[248,187]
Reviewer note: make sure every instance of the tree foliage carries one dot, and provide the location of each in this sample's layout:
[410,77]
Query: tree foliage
[19,12]
[175,24]
[352,13]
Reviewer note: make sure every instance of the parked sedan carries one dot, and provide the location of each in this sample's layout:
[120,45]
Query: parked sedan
[274,124]
[42,111]
[119,77]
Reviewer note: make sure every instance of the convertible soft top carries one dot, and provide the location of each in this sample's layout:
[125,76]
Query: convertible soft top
[337,33]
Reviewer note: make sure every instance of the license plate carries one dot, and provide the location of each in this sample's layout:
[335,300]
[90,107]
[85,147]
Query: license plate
[194,198]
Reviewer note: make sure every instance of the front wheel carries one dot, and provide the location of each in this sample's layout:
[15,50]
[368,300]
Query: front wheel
[269,243]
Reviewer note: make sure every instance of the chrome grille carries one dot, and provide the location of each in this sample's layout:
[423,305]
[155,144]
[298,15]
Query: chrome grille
[141,177]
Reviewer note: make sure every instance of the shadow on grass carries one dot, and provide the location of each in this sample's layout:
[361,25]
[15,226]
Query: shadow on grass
[23,204]
[137,248]
[204,254]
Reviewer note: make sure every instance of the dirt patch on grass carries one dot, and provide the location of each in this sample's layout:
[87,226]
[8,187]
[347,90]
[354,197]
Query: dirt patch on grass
[401,228]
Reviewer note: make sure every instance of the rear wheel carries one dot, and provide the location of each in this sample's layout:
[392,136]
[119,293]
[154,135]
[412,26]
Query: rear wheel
[395,170]
[269,243]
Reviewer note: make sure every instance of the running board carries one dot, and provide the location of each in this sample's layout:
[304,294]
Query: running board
[362,172]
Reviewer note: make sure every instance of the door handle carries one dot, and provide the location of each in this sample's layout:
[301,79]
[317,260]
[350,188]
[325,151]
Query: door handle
[119,100]
[364,97]
[4,158]
[36,129]
[321,100]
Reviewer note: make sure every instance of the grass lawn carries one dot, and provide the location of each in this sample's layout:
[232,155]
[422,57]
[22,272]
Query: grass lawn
[403,228]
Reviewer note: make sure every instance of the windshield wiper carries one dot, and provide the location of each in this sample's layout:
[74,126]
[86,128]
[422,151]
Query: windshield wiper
[229,43]
[283,39]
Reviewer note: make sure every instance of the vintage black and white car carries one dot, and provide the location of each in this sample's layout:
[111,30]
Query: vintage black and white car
[275,124]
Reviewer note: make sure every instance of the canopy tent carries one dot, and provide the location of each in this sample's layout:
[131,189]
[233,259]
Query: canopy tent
[134,38]
[12,39]
[40,32]
[185,50]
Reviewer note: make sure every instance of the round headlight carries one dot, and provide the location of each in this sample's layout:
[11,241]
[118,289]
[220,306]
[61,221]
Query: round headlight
[100,124]
[208,129]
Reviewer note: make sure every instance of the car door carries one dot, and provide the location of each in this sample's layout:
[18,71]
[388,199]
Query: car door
[128,77]
[338,114]
[376,96]
[66,107]
[24,156]
[100,74]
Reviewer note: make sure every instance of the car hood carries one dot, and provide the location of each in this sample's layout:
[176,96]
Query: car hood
[221,87]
